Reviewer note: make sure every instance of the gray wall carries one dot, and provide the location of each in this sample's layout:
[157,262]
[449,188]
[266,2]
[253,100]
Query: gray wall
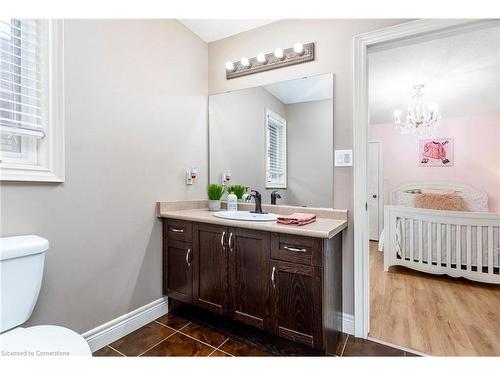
[237,136]
[136,117]
[310,153]
[334,40]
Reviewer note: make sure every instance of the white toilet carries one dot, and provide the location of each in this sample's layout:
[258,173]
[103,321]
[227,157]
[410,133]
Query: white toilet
[21,270]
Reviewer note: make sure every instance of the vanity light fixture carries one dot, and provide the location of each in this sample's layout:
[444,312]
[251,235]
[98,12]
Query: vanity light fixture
[278,53]
[298,48]
[281,57]
[230,66]
[244,62]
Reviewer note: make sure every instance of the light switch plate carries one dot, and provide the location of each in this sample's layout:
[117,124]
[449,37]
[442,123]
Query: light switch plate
[343,158]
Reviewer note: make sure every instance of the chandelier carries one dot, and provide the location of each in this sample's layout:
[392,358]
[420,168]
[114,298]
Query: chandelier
[421,119]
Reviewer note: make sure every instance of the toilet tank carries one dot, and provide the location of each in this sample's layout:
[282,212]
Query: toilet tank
[21,271]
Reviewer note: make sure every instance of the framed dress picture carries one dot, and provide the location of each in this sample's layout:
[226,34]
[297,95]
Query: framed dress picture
[435,152]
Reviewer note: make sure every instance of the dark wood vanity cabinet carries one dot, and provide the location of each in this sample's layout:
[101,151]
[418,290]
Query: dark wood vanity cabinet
[210,286]
[249,276]
[178,274]
[272,281]
[177,260]
[296,302]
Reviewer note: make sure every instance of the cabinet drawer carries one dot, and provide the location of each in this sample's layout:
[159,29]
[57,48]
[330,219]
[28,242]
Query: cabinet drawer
[296,249]
[178,230]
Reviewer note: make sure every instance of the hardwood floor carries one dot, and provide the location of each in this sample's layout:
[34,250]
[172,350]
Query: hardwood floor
[437,315]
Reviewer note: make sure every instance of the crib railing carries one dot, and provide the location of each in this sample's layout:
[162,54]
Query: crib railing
[460,244]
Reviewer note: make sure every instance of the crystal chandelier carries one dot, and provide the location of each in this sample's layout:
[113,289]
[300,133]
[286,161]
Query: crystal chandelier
[421,119]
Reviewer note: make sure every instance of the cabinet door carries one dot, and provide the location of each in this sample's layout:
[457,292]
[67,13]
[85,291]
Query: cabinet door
[210,267]
[249,276]
[177,270]
[296,302]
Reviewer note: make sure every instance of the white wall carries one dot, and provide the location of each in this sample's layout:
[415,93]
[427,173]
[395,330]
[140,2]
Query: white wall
[136,117]
[334,40]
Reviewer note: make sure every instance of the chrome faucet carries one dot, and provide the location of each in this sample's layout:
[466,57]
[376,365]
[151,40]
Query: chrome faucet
[258,202]
[275,195]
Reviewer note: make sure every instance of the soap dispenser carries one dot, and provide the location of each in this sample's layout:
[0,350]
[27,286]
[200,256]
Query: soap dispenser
[232,202]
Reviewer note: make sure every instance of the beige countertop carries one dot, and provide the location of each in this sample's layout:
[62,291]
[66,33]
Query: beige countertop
[329,222]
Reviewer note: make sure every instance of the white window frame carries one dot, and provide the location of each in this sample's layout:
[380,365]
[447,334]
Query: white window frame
[273,185]
[51,151]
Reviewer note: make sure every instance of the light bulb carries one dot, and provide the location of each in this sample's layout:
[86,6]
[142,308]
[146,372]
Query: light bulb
[244,62]
[298,48]
[261,58]
[229,66]
[278,53]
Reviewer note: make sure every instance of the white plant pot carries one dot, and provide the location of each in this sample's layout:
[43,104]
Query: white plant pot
[214,205]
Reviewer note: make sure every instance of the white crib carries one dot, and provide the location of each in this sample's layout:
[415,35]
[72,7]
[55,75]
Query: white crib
[459,244]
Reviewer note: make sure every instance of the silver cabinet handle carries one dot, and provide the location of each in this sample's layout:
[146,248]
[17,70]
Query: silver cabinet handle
[177,230]
[188,252]
[230,242]
[222,239]
[294,249]
[272,277]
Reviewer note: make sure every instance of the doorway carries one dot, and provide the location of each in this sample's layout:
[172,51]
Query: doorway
[360,149]
[407,320]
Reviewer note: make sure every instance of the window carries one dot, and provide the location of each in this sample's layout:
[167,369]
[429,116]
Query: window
[275,150]
[31,100]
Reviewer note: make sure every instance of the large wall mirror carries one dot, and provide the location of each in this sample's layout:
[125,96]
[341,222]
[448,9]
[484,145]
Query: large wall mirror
[276,137]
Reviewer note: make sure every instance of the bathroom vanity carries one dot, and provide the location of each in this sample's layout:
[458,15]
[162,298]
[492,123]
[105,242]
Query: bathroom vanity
[282,279]
[285,280]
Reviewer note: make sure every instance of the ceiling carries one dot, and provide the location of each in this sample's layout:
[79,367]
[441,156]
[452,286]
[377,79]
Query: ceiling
[460,71]
[301,90]
[211,30]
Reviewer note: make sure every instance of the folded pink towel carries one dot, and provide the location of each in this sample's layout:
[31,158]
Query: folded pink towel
[297,219]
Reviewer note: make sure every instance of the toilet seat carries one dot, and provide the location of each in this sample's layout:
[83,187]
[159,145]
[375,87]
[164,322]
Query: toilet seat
[43,341]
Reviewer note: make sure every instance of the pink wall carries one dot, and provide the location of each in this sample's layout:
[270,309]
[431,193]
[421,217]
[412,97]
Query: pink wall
[477,156]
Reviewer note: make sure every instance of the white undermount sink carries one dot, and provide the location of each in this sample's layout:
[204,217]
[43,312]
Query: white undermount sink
[245,216]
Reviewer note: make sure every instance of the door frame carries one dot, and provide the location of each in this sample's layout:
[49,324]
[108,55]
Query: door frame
[361,43]
[381,194]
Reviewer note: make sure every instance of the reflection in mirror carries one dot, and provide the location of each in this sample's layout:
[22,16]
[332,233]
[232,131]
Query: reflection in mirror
[277,137]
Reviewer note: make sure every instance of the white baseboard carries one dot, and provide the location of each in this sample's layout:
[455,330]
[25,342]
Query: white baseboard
[113,330]
[348,323]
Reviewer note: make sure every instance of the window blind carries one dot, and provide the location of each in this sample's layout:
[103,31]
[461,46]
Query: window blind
[21,89]
[276,150]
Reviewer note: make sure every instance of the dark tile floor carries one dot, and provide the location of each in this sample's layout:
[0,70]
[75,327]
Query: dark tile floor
[174,335]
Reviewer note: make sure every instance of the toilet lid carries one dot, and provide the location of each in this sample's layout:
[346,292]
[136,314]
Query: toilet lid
[43,341]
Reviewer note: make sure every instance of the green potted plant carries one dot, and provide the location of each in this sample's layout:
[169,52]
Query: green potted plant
[238,190]
[215,192]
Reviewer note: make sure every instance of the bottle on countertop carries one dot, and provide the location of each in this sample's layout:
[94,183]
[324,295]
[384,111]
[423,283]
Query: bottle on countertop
[244,197]
[232,202]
